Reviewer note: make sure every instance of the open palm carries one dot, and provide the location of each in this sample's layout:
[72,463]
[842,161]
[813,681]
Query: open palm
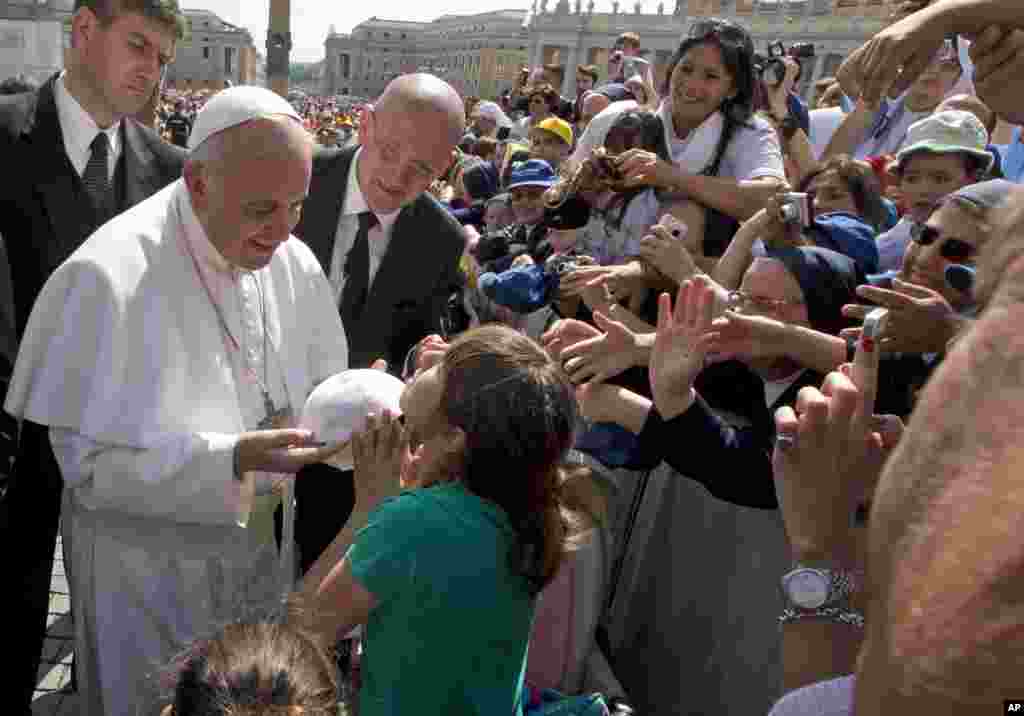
[683,339]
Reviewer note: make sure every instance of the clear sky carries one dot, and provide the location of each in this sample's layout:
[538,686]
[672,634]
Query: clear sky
[312,18]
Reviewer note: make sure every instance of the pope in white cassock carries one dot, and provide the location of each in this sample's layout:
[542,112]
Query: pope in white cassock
[167,357]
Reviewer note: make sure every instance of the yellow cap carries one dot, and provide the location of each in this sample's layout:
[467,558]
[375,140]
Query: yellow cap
[557,126]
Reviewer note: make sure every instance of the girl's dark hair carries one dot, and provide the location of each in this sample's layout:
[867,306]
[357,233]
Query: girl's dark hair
[652,138]
[256,668]
[518,411]
[860,179]
[737,48]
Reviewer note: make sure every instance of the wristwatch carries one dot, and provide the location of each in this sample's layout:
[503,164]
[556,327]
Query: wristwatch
[815,587]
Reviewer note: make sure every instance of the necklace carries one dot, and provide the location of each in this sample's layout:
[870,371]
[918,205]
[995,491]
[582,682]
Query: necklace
[275,417]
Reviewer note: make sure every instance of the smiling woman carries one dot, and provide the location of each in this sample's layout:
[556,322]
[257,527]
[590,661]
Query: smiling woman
[723,159]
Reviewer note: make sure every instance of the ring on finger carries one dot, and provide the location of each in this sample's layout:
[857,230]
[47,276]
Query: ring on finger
[784,441]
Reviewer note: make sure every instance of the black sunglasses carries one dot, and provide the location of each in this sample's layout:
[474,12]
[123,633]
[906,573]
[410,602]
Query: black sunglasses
[733,34]
[953,250]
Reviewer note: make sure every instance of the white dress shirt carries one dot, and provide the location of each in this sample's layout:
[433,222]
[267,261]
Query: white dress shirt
[348,225]
[79,129]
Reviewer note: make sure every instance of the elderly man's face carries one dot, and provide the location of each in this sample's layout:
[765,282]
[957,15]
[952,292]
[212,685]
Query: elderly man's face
[403,152]
[250,202]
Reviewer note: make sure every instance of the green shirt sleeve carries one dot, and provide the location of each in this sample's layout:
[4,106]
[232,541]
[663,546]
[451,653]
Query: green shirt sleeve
[383,557]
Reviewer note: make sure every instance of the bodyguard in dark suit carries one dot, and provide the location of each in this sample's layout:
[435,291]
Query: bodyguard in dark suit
[74,159]
[390,251]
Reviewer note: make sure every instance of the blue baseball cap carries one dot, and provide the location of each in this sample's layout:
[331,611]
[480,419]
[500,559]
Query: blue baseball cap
[533,172]
[524,289]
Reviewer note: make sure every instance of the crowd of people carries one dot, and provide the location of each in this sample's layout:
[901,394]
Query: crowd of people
[805,311]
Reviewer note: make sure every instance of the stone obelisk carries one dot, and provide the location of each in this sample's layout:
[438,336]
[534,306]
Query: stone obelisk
[279,44]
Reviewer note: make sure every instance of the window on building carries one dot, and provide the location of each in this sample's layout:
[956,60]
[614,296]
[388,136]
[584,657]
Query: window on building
[228,56]
[206,53]
[387,34]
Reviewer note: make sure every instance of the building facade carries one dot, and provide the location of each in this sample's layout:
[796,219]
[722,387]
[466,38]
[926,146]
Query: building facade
[215,52]
[476,54]
[33,37]
[571,36]
[480,54]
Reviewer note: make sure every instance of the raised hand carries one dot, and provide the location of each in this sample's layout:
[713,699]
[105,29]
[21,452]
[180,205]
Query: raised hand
[604,356]
[684,337]
[746,335]
[431,351]
[640,167]
[564,333]
[829,455]
[889,62]
[998,55]
[920,319]
[668,254]
[377,454]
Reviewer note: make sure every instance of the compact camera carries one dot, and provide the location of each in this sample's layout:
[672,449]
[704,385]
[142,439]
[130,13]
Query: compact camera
[773,69]
[797,209]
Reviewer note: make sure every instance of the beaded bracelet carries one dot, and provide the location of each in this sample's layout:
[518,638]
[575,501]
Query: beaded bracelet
[839,615]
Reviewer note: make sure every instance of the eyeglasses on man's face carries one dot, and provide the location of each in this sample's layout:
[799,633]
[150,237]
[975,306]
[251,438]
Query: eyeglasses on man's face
[747,303]
[955,250]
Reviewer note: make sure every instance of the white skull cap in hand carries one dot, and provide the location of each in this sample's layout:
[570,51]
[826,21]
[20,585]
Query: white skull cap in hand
[338,407]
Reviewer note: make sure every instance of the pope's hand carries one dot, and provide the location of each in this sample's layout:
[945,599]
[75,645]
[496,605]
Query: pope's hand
[286,451]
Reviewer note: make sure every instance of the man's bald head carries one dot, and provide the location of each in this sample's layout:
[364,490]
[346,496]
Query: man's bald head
[407,137]
[423,93]
[593,104]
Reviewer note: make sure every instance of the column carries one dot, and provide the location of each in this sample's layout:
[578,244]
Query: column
[569,76]
[279,44]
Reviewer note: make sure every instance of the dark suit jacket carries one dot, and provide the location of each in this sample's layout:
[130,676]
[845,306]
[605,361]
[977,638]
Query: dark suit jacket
[44,211]
[725,439]
[416,276]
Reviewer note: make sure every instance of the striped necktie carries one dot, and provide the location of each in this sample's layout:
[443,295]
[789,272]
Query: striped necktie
[97,173]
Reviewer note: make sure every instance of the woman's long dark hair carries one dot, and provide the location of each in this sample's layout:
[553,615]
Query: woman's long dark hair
[518,412]
[737,48]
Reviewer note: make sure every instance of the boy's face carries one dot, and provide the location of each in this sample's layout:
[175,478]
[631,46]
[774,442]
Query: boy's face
[528,203]
[927,178]
[549,147]
[497,216]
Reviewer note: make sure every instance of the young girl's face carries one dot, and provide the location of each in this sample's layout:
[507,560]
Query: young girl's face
[927,178]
